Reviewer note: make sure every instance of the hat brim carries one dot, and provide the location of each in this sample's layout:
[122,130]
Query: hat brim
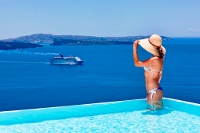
[145,44]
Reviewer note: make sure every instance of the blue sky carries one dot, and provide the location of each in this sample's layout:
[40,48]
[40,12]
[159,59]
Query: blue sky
[111,18]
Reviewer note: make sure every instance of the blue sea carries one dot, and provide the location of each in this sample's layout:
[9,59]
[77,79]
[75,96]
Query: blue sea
[108,74]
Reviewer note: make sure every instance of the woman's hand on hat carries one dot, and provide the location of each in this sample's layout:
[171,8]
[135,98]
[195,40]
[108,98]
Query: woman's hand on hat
[136,43]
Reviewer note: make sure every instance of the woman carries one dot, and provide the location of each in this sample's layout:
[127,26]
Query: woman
[152,68]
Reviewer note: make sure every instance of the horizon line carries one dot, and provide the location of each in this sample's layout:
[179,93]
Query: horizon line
[97,36]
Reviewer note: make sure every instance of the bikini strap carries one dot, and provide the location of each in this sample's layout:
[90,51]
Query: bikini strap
[152,91]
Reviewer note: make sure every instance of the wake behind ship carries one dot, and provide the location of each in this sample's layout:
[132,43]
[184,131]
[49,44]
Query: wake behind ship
[68,60]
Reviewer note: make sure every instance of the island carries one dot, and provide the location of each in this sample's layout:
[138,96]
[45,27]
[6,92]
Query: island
[91,40]
[58,40]
[17,45]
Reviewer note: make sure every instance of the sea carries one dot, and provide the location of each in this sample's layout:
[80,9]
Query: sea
[28,80]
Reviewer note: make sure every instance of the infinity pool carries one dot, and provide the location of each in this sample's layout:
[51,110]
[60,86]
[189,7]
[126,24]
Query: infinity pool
[113,117]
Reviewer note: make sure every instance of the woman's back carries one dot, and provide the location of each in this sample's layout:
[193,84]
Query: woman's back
[153,74]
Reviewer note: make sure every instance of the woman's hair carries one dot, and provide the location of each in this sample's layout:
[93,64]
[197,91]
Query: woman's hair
[160,52]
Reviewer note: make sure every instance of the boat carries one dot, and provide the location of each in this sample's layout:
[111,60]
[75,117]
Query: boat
[68,60]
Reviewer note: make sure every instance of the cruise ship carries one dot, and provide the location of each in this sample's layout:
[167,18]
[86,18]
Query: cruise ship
[68,60]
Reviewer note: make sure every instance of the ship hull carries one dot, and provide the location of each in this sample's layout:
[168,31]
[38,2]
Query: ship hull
[66,61]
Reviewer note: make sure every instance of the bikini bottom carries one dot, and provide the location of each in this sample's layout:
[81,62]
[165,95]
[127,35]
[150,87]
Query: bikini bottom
[153,91]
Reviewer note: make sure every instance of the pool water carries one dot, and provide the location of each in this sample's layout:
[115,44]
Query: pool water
[117,117]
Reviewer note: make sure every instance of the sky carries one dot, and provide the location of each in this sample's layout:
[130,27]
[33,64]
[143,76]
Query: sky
[102,18]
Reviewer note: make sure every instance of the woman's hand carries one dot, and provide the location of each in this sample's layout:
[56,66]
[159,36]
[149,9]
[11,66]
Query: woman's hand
[136,43]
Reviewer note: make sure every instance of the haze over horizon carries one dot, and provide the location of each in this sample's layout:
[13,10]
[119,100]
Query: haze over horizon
[100,18]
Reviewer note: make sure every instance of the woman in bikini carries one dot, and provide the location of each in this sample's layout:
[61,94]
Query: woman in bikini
[152,68]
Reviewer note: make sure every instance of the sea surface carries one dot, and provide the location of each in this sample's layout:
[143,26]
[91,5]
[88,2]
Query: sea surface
[27,80]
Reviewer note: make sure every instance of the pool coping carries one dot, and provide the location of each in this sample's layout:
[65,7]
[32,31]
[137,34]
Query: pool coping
[63,112]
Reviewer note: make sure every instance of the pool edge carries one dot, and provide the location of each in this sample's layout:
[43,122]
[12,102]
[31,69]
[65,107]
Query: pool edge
[62,112]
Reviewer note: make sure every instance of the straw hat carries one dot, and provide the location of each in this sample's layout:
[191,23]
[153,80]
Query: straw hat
[150,44]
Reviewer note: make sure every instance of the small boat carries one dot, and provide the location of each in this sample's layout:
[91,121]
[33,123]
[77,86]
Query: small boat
[68,60]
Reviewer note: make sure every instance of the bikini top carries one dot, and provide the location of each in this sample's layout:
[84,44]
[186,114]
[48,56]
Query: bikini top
[147,68]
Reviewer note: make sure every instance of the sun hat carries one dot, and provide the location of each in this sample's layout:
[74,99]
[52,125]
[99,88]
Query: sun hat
[150,44]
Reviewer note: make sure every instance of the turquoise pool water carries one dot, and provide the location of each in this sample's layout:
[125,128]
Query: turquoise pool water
[121,116]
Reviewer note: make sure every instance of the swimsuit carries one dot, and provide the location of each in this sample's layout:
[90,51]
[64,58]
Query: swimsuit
[153,91]
[147,68]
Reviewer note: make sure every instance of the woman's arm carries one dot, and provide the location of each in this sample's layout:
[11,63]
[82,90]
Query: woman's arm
[135,55]
[137,62]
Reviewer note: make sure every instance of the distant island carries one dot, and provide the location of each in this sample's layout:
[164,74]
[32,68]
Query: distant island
[57,42]
[17,45]
[35,40]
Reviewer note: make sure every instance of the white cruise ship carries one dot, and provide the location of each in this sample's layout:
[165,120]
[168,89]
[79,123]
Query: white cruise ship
[68,60]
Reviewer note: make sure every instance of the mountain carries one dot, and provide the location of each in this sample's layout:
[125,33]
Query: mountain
[75,39]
